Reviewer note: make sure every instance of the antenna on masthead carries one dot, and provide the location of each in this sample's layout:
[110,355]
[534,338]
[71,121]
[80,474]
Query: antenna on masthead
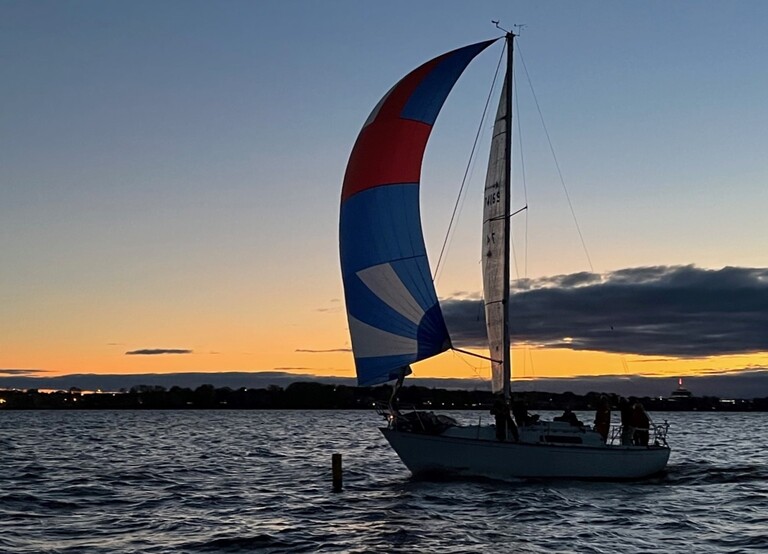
[499,26]
[518,28]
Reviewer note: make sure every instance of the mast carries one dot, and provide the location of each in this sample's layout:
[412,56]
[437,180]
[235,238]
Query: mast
[506,352]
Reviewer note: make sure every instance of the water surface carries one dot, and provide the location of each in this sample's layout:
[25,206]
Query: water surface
[259,481]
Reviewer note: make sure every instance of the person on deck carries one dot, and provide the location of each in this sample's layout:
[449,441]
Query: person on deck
[522,417]
[641,422]
[603,418]
[569,417]
[627,431]
[504,421]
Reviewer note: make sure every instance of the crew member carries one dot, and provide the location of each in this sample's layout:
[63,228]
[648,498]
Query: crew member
[504,421]
[603,418]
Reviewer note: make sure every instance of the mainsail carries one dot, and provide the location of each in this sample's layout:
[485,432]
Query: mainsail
[392,308]
[494,246]
[496,238]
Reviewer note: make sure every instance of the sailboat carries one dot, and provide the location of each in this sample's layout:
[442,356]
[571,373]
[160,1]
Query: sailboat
[395,318]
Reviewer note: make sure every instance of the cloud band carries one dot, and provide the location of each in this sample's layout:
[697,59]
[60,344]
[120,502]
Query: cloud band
[680,311]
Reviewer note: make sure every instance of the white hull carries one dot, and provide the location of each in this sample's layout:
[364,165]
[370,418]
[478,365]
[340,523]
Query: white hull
[483,456]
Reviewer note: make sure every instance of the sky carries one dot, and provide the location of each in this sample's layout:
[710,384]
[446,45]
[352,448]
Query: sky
[170,177]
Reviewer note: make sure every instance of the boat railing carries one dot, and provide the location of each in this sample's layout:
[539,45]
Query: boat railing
[391,413]
[660,433]
[626,435]
[382,408]
[403,417]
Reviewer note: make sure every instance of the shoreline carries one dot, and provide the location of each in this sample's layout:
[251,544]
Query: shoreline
[317,396]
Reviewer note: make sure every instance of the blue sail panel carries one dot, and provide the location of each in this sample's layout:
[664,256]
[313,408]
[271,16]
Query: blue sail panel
[426,101]
[395,318]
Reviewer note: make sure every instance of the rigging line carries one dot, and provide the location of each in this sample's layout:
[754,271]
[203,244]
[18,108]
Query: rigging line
[525,365]
[468,353]
[557,164]
[527,356]
[472,367]
[522,173]
[502,217]
[526,347]
[469,163]
[514,258]
[530,355]
[509,190]
[513,214]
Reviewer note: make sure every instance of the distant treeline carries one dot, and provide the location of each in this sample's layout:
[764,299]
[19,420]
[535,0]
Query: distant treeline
[316,396]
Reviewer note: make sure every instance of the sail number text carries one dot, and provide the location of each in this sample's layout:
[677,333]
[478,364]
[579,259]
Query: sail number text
[493,198]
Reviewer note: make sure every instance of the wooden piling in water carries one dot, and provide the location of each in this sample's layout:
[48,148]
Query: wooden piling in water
[336,469]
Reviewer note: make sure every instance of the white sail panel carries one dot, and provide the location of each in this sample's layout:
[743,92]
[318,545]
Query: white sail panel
[371,342]
[494,243]
[385,283]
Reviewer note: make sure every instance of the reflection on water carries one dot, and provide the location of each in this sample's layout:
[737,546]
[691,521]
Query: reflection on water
[236,481]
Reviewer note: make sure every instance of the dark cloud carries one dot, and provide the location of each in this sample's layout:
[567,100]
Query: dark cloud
[157,351]
[732,384]
[311,351]
[30,372]
[562,281]
[680,311]
[116,382]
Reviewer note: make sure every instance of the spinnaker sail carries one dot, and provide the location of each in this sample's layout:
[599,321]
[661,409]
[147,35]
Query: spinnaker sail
[392,308]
